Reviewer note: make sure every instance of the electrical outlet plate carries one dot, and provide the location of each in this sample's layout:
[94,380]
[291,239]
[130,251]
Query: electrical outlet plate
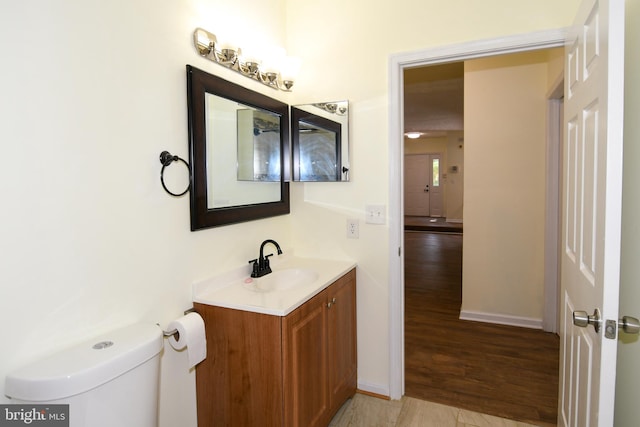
[376,214]
[353,228]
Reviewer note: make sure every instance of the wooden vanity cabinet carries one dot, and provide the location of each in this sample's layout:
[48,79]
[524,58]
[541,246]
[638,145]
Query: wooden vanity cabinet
[319,344]
[305,363]
[264,370]
[342,342]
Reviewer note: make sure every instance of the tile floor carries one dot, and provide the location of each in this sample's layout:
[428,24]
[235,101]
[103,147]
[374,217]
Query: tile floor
[367,411]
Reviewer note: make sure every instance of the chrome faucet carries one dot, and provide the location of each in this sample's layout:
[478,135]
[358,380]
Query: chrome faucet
[261,265]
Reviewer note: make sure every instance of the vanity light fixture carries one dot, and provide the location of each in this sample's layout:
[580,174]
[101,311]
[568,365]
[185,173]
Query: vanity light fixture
[276,71]
[339,108]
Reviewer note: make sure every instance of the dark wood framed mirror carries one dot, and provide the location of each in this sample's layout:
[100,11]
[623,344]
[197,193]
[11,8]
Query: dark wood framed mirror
[320,147]
[228,153]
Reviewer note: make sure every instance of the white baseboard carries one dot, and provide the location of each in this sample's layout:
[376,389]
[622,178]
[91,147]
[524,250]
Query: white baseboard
[501,319]
[454,221]
[373,388]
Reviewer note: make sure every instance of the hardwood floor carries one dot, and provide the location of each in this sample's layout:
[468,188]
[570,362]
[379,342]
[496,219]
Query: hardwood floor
[425,223]
[499,370]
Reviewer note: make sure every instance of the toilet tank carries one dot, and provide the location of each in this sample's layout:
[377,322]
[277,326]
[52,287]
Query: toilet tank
[110,380]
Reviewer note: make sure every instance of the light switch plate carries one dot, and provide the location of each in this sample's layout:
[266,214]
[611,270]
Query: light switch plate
[376,214]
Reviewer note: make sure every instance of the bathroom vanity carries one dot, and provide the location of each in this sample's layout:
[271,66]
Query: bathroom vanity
[280,351]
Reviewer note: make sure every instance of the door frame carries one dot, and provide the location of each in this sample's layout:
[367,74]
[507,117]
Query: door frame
[397,63]
[553,221]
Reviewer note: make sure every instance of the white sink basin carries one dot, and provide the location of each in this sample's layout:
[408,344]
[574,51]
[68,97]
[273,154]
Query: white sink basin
[281,280]
[293,281]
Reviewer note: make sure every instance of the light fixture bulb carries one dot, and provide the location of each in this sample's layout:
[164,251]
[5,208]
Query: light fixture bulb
[290,66]
[271,77]
[413,135]
[272,62]
[252,67]
[227,45]
[288,84]
[250,53]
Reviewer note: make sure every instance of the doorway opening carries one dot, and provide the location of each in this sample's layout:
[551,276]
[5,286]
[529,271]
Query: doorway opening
[458,369]
[397,65]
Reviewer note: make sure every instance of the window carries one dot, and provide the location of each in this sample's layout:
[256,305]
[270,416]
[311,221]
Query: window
[436,172]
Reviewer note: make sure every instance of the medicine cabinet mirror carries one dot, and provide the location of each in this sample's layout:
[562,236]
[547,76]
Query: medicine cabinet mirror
[320,142]
[238,150]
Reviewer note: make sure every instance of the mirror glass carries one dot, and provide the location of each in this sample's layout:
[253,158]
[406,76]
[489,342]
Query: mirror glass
[238,150]
[320,141]
[243,154]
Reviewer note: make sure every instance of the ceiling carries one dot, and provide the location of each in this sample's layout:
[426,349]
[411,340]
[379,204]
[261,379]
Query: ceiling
[434,99]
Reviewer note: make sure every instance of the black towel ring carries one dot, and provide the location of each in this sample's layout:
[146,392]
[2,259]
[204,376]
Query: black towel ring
[166,158]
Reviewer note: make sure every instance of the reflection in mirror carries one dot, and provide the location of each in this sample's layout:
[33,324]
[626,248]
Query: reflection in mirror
[320,141]
[316,147]
[229,143]
[258,146]
[238,146]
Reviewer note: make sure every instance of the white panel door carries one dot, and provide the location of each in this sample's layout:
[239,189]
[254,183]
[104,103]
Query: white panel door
[423,185]
[592,192]
[416,184]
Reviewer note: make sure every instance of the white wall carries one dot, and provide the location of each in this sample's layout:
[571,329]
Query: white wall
[627,410]
[504,192]
[93,91]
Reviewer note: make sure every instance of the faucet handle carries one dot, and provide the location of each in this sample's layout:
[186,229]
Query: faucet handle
[254,272]
[266,260]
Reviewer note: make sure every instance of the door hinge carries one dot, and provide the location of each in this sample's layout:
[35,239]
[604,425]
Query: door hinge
[399,251]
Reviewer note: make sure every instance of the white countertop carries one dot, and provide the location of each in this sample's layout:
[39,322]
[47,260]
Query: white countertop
[233,289]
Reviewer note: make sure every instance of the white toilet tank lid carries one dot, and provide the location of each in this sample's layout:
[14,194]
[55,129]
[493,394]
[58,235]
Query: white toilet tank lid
[85,366]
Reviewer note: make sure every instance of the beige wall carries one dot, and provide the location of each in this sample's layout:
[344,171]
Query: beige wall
[504,192]
[455,180]
[555,67]
[627,410]
[92,92]
[426,145]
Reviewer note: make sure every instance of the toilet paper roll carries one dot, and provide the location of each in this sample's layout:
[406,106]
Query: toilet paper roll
[190,335]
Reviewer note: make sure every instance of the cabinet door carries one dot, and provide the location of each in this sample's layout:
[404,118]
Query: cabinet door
[306,396]
[240,381]
[342,340]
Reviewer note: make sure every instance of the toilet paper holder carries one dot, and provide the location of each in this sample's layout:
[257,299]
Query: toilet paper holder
[175,331]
